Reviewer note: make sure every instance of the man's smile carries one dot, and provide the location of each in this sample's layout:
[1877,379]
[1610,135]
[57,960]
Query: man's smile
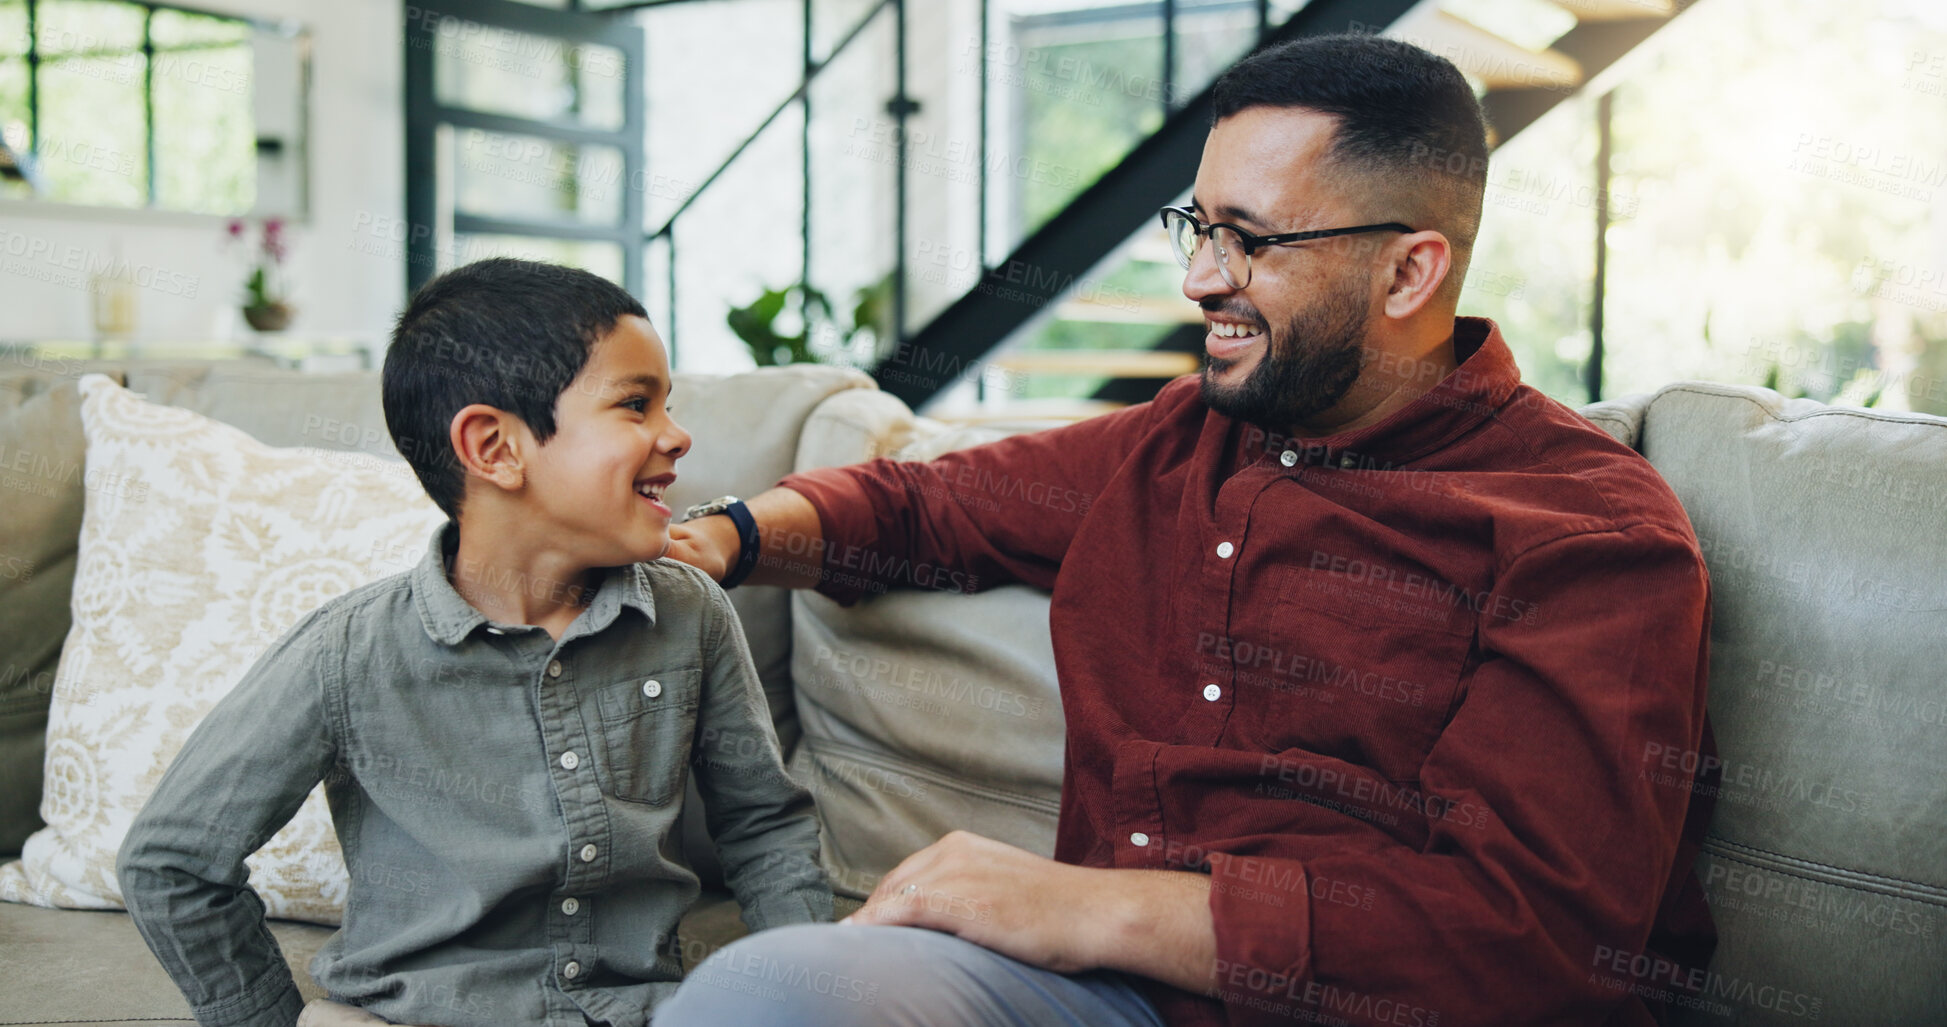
[1229,339]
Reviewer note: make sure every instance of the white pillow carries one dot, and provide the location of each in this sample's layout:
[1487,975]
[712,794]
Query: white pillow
[200,547]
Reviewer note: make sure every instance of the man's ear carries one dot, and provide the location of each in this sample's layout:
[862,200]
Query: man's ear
[1420,264]
[488,441]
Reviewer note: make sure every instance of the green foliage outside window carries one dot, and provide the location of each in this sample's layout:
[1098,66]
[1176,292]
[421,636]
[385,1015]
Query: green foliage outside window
[1780,167]
[1086,105]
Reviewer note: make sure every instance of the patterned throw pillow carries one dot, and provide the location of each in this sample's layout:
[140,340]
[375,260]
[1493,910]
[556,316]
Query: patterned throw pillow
[200,547]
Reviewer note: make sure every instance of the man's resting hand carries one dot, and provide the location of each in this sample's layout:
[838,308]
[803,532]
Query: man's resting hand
[1054,915]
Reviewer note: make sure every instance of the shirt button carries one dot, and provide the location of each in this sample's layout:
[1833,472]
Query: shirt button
[554,668]
[572,970]
[570,906]
[1347,461]
[588,853]
[1139,840]
[1224,549]
[1288,457]
[570,761]
[652,688]
[495,631]
[1212,692]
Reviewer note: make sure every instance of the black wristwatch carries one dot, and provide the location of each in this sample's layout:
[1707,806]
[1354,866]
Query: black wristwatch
[739,515]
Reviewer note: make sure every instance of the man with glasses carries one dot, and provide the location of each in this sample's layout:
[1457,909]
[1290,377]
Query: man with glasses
[1366,648]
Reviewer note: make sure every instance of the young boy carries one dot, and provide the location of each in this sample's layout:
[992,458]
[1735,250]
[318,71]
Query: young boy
[504,730]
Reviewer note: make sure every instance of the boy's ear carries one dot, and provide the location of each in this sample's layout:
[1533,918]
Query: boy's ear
[487,441]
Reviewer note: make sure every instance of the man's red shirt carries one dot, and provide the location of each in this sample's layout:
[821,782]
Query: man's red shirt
[1409,694]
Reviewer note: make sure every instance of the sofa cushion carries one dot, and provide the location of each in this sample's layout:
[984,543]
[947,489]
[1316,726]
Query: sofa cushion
[81,968]
[41,483]
[1622,417]
[746,429]
[1824,864]
[90,968]
[199,548]
[275,406]
[42,480]
[915,722]
[25,374]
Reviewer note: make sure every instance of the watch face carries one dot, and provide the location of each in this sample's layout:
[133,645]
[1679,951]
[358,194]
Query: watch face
[714,506]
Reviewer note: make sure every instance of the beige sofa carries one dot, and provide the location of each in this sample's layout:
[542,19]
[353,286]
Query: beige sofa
[920,712]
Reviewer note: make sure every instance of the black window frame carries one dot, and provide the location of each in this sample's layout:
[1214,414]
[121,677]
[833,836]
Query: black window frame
[148,51]
[425,115]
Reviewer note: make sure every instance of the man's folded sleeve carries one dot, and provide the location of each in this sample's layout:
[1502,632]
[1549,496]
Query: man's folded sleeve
[1541,839]
[239,778]
[967,520]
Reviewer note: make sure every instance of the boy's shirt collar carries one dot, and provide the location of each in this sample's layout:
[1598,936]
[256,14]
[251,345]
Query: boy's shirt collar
[449,618]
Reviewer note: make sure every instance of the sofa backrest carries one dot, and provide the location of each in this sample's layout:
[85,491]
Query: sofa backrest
[40,492]
[1826,864]
[923,711]
[746,429]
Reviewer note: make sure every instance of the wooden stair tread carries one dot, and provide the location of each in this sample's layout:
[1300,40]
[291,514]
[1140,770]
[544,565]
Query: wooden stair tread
[1617,10]
[1112,363]
[1495,61]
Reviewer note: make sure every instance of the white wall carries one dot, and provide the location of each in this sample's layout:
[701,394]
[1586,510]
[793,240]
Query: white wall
[347,272]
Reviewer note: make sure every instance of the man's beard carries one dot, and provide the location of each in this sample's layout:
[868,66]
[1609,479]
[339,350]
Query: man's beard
[1306,368]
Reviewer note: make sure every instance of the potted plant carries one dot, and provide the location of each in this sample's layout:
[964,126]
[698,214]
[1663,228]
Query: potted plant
[798,325]
[265,304]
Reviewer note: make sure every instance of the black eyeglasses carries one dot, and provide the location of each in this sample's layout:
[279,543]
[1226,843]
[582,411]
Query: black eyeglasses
[1235,245]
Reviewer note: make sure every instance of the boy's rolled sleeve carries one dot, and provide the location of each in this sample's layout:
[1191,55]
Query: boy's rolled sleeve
[239,778]
[763,822]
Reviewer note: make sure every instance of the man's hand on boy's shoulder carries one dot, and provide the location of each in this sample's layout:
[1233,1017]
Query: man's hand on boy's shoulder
[708,544]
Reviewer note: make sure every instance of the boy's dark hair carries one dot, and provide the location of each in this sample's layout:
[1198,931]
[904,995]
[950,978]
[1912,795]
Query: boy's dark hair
[508,333]
[1408,124]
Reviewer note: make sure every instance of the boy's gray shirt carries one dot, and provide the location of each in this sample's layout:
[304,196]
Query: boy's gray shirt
[509,806]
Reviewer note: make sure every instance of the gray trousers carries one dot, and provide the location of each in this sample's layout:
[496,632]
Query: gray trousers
[825,975]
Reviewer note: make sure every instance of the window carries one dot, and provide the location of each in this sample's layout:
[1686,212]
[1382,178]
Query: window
[1776,212]
[524,138]
[126,104]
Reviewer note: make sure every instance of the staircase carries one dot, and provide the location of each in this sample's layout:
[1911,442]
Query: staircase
[1101,258]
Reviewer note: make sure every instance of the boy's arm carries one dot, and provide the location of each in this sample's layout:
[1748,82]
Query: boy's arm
[765,830]
[241,776]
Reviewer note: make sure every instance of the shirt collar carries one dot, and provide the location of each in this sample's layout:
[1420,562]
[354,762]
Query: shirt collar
[449,618]
[1486,378]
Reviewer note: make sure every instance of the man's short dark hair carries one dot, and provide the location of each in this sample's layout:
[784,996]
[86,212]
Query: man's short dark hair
[507,333]
[1408,123]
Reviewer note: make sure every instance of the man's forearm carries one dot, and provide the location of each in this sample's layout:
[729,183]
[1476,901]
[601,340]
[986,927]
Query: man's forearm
[1160,927]
[791,538]
[788,530]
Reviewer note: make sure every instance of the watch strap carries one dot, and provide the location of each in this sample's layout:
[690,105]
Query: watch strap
[739,515]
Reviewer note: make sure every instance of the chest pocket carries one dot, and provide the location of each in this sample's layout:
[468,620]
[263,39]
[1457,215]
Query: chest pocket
[1363,671]
[647,727]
